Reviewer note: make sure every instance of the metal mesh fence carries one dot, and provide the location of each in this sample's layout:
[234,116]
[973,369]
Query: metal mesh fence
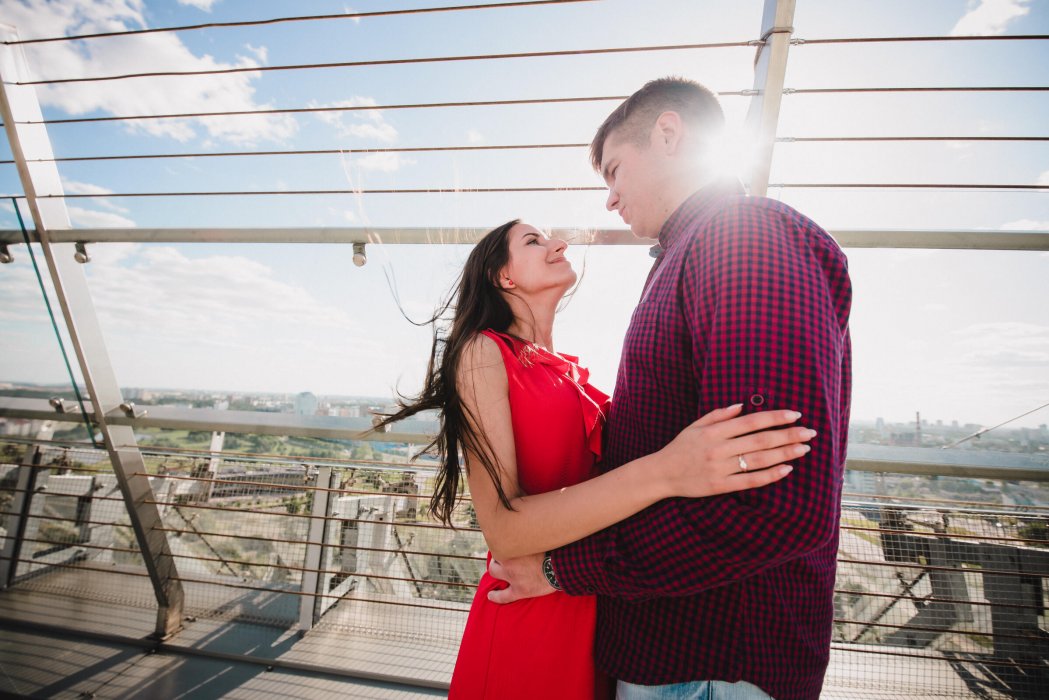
[951,593]
[75,520]
[943,597]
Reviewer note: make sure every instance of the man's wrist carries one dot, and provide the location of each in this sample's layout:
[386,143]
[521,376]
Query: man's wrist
[549,573]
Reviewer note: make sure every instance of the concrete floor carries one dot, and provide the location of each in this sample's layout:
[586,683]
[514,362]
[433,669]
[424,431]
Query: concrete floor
[54,644]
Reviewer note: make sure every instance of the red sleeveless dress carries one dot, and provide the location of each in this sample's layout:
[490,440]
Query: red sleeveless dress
[542,647]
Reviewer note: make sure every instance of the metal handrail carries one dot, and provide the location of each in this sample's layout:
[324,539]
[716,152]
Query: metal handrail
[421,433]
[957,239]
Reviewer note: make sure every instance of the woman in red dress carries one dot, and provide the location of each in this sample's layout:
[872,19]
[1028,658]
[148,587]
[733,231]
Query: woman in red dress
[527,424]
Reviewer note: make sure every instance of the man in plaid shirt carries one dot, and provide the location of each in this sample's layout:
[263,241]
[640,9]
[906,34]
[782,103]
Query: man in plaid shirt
[748,302]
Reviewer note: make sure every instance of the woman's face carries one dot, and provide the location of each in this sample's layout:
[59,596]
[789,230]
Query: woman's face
[537,262]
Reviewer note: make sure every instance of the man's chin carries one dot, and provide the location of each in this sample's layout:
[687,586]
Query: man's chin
[640,232]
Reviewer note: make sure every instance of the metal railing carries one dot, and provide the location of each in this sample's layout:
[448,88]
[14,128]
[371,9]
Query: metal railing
[938,593]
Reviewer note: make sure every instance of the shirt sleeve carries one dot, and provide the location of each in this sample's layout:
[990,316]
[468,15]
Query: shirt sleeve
[766,298]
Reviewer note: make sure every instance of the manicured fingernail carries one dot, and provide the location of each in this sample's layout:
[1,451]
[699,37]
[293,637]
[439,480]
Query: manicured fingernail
[786,469]
[793,415]
[735,406]
[801,449]
[810,433]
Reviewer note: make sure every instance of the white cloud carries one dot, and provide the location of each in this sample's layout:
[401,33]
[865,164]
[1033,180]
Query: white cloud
[88,218]
[74,187]
[135,286]
[111,254]
[363,124]
[1026,225]
[1005,344]
[144,53]
[234,300]
[990,17]
[383,162]
[1004,329]
[261,53]
[199,4]
[21,291]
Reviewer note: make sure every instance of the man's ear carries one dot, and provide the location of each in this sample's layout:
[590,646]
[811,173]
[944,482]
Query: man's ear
[668,132]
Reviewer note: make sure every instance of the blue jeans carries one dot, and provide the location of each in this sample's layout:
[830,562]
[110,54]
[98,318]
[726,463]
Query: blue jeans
[696,690]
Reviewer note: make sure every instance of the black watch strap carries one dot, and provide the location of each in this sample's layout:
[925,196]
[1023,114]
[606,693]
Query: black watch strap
[548,571]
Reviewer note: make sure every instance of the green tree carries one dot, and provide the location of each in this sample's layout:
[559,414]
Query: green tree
[1037,530]
[362,450]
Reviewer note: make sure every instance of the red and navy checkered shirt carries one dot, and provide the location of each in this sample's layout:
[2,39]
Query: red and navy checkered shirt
[748,303]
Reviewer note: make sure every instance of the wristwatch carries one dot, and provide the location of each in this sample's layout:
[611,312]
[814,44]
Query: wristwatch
[548,571]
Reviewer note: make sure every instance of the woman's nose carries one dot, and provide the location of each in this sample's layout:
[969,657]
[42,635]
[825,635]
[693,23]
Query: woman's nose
[559,245]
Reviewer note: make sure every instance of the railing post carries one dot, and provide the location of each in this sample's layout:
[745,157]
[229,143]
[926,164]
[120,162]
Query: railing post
[312,581]
[34,158]
[1014,599]
[770,68]
[218,439]
[25,485]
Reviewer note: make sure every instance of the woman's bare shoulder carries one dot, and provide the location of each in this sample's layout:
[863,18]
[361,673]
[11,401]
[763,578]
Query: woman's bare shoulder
[481,355]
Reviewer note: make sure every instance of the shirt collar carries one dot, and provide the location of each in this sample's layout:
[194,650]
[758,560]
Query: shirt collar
[700,201]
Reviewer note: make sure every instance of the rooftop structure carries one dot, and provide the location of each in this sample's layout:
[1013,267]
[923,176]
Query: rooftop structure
[234,212]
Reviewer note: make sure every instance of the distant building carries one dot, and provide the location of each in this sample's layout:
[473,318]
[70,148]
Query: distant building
[861,482]
[306,404]
[19,427]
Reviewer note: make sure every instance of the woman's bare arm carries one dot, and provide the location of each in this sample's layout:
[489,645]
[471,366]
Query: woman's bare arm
[701,461]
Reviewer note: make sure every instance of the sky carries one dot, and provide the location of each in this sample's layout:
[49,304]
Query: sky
[956,335]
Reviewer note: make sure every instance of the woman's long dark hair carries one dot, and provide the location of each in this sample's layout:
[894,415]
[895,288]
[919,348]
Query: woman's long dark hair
[476,304]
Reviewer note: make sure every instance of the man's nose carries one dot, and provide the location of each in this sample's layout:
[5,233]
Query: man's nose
[613,199]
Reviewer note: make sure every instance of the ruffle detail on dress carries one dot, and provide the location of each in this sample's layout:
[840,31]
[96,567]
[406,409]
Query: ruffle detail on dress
[594,402]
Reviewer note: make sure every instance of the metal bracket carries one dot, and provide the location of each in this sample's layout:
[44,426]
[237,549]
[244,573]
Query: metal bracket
[62,408]
[776,30]
[131,411]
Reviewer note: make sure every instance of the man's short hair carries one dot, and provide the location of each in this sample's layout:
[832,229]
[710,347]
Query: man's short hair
[697,105]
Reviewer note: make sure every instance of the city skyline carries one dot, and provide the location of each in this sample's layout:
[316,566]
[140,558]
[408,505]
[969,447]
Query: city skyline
[1038,417]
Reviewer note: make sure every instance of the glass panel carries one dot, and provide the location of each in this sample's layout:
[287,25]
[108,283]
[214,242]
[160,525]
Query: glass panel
[947,343]
[943,64]
[31,360]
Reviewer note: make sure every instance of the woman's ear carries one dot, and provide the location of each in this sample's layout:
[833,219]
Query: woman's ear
[504,278]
